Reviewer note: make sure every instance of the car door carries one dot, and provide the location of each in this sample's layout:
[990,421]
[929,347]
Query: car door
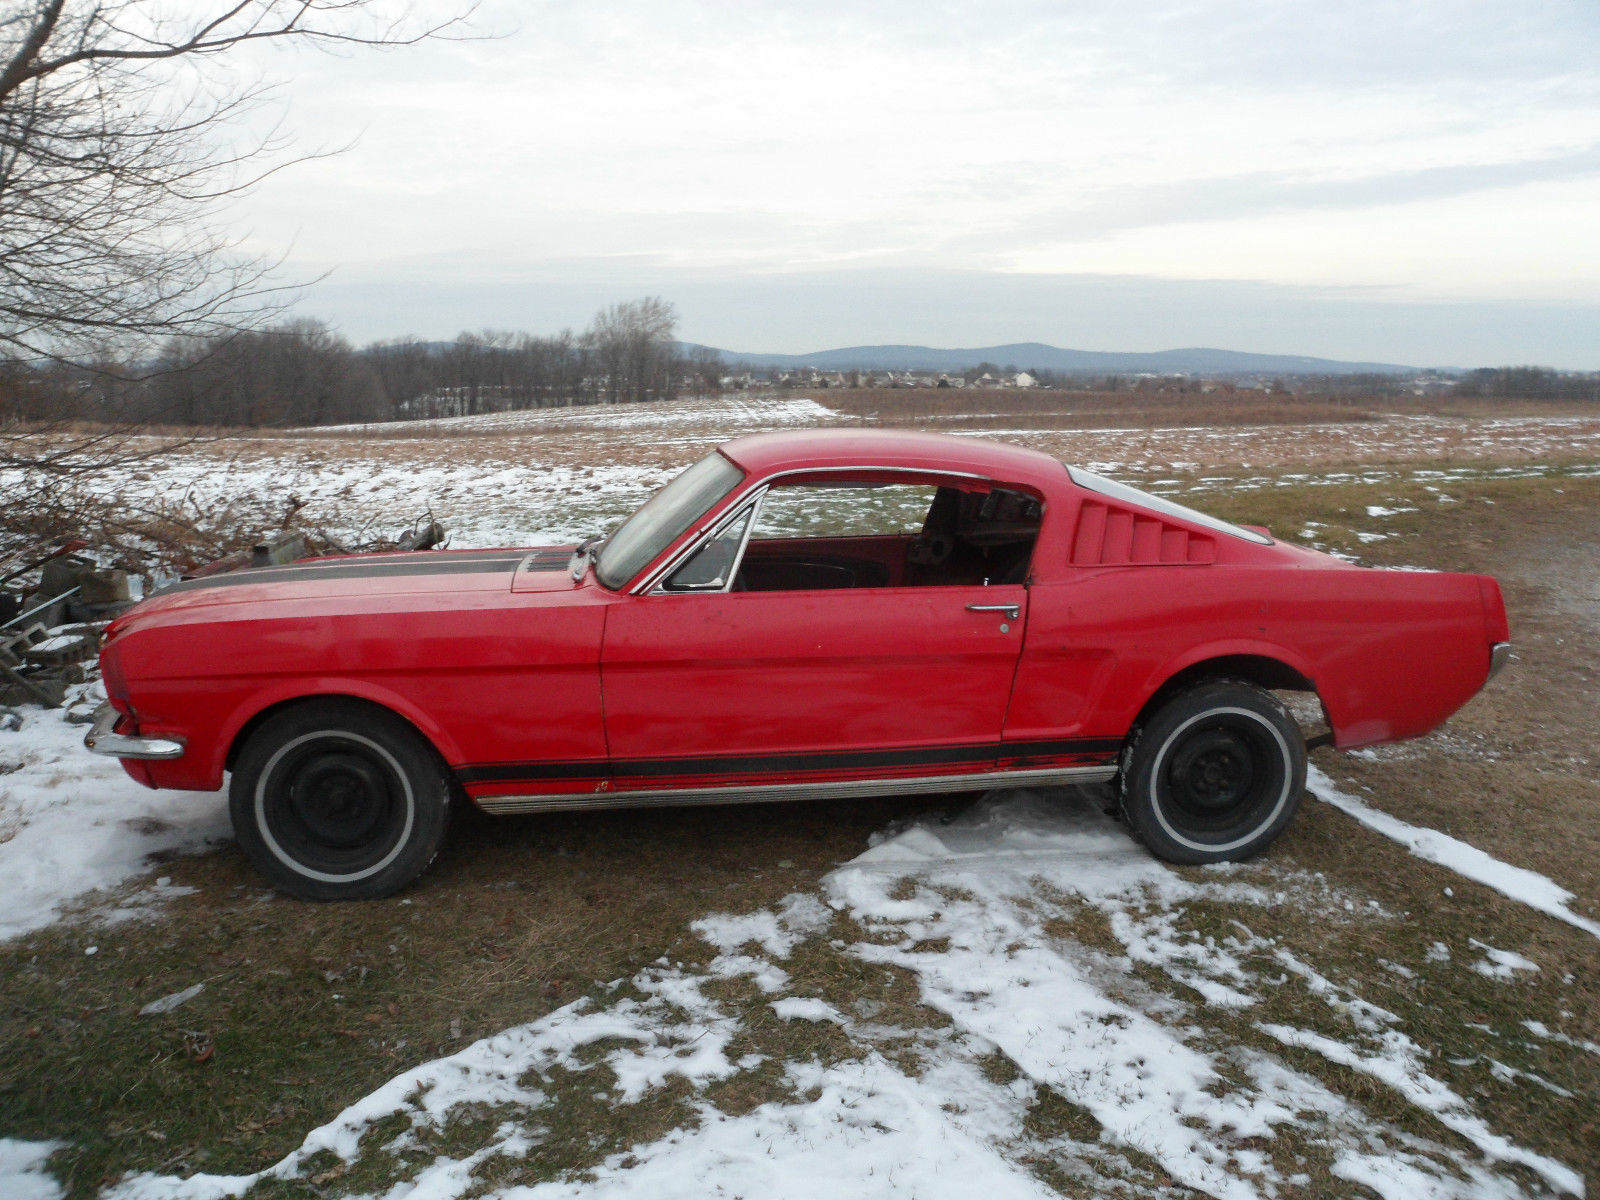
[706,686]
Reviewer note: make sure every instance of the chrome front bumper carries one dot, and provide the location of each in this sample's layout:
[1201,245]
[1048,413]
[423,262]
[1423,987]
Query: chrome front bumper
[102,740]
[1499,656]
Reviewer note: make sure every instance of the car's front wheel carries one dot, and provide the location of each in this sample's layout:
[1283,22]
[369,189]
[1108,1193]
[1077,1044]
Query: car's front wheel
[338,800]
[1214,775]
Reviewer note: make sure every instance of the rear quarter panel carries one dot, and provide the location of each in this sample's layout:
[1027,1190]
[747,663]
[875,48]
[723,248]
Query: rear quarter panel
[1391,653]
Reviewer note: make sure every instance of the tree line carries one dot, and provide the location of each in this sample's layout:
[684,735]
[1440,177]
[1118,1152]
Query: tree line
[303,373]
[1530,383]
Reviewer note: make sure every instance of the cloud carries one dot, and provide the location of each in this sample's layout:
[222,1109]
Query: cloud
[1251,194]
[1249,139]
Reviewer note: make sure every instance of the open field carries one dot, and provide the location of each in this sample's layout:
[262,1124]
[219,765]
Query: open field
[930,997]
[551,475]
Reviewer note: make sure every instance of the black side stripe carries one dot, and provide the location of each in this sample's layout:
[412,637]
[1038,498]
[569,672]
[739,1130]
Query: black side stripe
[645,768]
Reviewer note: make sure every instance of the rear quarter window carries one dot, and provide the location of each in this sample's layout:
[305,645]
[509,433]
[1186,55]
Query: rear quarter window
[1113,490]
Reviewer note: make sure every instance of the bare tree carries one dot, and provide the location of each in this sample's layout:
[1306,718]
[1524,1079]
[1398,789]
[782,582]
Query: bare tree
[297,373]
[633,349]
[120,142]
[406,373]
[706,366]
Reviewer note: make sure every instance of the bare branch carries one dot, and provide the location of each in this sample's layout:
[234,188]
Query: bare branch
[121,143]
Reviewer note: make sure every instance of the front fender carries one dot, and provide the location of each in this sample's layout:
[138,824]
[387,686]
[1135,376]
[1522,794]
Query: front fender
[211,741]
[334,685]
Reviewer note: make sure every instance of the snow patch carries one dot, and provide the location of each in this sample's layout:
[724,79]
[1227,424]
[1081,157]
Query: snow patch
[797,917]
[1529,887]
[871,1131]
[1378,510]
[167,1003]
[1500,964]
[1398,1065]
[22,1170]
[807,1008]
[776,933]
[673,1032]
[1540,1030]
[72,823]
[735,410]
[1140,1066]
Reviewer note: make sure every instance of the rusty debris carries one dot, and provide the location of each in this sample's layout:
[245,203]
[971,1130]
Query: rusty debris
[54,602]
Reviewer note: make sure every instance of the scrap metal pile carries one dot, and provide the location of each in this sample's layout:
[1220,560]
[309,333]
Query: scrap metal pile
[52,608]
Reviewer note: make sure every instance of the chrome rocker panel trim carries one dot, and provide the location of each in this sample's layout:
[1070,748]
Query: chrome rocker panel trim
[835,790]
[102,740]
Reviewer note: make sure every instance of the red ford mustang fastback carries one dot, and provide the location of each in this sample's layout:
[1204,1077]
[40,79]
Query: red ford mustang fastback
[818,614]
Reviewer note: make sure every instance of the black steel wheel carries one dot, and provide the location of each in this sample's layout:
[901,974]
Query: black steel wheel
[1214,775]
[338,800]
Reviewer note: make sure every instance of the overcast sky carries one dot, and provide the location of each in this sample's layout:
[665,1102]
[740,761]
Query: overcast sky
[1415,181]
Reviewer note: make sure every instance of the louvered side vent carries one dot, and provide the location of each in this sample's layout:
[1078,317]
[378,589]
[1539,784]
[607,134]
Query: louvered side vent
[1109,536]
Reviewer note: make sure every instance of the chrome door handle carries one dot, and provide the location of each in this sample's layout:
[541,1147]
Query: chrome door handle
[1013,611]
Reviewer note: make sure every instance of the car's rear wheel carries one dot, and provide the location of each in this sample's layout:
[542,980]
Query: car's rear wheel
[1214,775]
[338,800]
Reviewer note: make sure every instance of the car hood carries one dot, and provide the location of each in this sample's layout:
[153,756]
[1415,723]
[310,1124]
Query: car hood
[420,572]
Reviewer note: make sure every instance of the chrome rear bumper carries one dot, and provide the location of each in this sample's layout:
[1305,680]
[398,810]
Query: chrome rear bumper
[1499,656]
[102,740]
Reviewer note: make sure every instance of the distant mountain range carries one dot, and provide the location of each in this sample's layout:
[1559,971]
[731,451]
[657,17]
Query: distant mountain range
[1036,355]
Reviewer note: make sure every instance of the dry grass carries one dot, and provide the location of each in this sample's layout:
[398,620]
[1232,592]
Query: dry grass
[1088,410]
[1143,409]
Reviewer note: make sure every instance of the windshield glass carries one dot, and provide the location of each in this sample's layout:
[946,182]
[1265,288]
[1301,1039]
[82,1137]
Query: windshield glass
[663,519]
[1129,495]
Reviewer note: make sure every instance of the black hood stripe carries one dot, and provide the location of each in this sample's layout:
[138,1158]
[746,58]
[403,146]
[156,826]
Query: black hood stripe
[384,566]
[402,557]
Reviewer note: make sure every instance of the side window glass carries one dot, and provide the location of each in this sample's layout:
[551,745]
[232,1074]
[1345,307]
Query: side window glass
[710,567]
[818,536]
[850,510]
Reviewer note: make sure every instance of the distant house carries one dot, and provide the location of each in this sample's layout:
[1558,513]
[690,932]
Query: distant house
[1024,380]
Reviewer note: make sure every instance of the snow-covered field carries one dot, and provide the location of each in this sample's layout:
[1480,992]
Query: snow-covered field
[733,414]
[972,908]
[556,475]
